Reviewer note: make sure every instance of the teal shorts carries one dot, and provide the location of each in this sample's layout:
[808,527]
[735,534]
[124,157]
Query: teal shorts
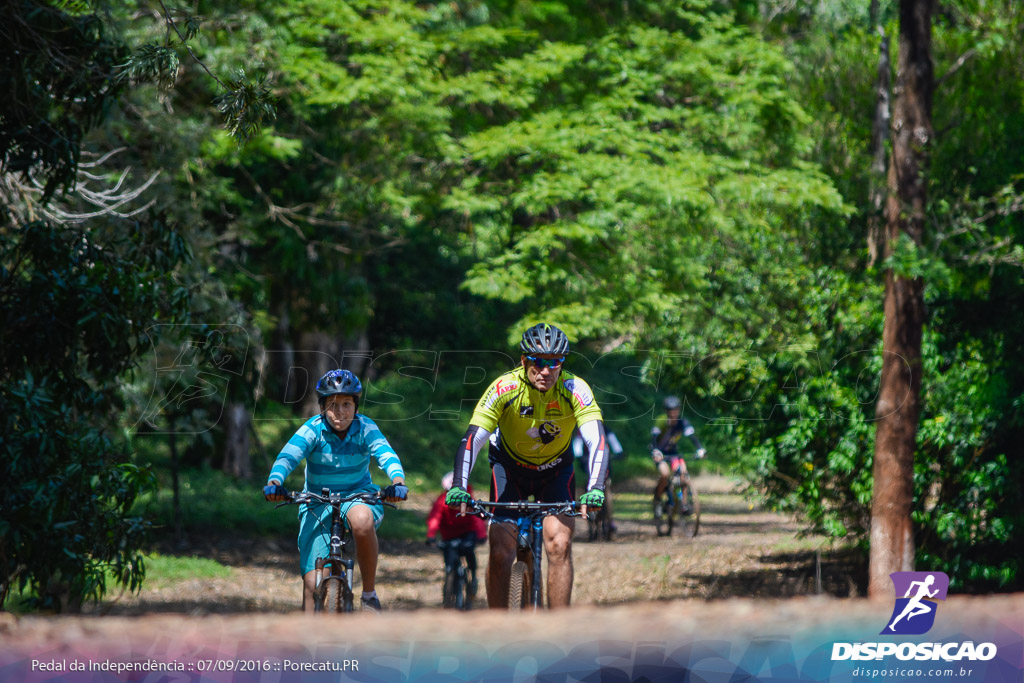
[315,530]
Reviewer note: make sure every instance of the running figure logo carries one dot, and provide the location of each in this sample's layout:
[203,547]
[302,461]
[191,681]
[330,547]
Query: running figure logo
[914,613]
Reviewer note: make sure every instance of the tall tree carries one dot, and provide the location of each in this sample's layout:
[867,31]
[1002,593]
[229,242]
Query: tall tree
[899,407]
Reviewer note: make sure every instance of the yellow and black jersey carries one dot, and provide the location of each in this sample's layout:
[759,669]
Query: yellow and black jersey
[534,427]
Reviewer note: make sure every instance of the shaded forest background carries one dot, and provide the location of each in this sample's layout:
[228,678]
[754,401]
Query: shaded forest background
[207,206]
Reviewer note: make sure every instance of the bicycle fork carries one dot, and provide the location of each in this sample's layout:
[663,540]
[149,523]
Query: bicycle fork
[336,551]
[530,537]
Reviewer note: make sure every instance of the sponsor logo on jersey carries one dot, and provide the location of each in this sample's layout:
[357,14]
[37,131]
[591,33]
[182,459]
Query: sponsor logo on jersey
[526,411]
[580,392]
[498,390]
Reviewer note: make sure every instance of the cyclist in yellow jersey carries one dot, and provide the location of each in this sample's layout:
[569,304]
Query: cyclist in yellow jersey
[527,417]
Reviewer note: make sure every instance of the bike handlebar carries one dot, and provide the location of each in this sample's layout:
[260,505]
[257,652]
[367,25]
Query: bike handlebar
[334,498]
[524,508]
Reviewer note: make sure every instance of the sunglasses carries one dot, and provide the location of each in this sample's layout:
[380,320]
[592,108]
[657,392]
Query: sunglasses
[546,362]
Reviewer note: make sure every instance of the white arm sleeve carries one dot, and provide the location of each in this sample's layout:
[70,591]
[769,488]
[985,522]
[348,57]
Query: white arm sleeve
[593,433]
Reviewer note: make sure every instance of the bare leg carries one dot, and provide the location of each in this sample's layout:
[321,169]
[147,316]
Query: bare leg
[663,472]
[360,521]
[558,547]
[684,476]
[308,588]
[499,564]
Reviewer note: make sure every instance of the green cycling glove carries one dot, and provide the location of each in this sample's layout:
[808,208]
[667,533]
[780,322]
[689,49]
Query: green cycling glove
[457,496]
[593,498]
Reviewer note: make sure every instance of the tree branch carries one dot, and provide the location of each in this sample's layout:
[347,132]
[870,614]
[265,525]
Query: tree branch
[957,65]
[170,22]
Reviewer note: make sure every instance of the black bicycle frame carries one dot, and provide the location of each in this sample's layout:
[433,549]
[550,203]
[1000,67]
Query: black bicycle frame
[335,561]
[337,545]
[530,538]
[529,522]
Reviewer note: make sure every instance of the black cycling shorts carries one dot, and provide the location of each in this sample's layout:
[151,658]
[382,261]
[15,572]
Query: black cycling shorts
[511,483]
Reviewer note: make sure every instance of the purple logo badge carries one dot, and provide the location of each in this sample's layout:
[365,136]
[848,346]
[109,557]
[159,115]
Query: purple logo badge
[914,612]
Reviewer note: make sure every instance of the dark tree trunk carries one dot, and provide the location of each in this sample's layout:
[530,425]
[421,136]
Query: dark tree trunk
[237,460]
[172,444]
[280,381]
[357,355]
[892,541]
[316,355]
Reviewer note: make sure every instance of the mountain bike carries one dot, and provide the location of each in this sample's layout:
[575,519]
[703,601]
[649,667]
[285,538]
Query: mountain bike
[678,506]
[525,579]
[333,591]
[460,581]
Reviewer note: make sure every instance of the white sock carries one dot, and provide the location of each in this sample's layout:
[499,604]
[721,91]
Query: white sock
[371,594]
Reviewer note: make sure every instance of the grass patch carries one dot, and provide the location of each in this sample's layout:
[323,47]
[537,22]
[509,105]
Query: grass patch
[632,506]
[163,571]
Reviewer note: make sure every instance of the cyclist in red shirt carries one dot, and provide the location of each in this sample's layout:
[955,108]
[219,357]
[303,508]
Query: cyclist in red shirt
[459,534]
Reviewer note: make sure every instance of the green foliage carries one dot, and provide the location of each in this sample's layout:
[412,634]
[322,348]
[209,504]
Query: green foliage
[58,69]
[970,262]
[625,176]
[245,106]
[75,310]
[967,501]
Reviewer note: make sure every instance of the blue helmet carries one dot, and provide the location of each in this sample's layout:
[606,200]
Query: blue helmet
[339,382]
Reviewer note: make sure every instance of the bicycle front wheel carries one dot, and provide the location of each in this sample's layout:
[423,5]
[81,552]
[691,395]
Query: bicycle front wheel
[330,595]
[595,527]
[689,506]
[663,516]
[519,585]
[448,595]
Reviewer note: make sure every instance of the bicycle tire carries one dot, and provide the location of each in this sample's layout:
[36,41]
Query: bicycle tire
[448,593]
[467,603]
[518,586]
[690,523]
[662,518]
[460,586]
[596,527]
[604,524]
[331,591]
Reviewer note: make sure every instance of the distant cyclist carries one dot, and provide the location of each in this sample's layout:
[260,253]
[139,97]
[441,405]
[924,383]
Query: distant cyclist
[665,435]
[337,446]
[468,530]
[526,417]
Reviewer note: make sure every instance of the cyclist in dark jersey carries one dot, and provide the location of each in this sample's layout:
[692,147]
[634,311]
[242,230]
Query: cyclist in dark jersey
[665,435]
[527,416]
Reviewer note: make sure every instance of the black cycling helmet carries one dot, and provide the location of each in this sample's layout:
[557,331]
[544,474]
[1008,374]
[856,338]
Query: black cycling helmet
[338,382]
[672,403]
[544,338]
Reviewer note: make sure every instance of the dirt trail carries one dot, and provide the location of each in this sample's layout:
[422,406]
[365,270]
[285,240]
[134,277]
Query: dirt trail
[741,551]
[635,592]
